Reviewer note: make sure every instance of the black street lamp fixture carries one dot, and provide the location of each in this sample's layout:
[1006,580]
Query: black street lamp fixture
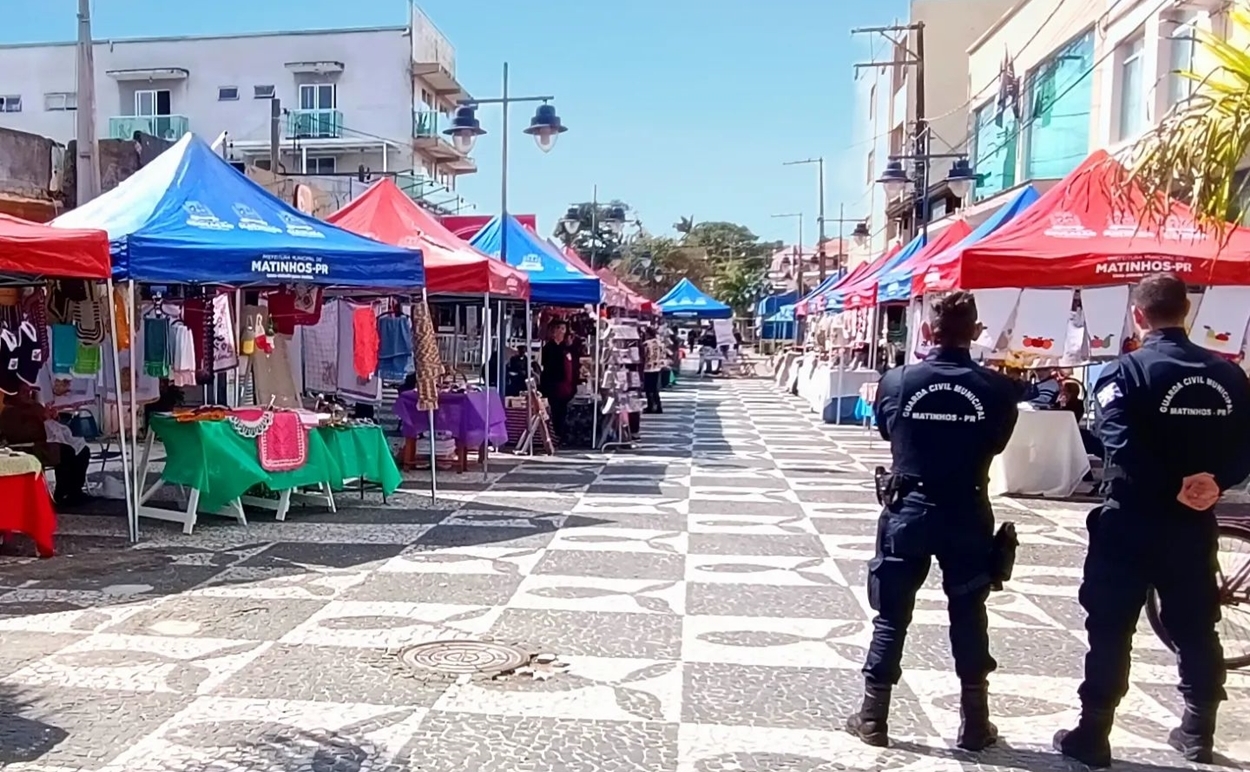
[465,129]
[860,235]
[545,127]
[961,178]
[894,179]
[614,220]
[572,221]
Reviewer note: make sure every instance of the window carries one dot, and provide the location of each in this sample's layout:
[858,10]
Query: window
[10,104]
[1132,90]
[261,163]
[227,93]
[262,92]
[60,101]
[152,102]
[1181,49]
[872,102]
[323,165]
[317,96]
[1058,96]
[872,166]
[994,149]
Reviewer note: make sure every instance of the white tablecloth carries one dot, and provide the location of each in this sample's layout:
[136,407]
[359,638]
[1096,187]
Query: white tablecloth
[1045,456]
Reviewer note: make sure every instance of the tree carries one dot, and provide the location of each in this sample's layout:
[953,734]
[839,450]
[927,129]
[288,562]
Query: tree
[594,241]
[740,286]
[1195,152]
[653,264]
[726,241]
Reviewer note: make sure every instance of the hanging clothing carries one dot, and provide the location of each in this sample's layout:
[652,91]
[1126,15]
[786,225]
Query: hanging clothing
[33,308]
[428,363]
[321,352]
[225,350]
[123,319]
[394,347]
[299,305]
[88,320]
[86,361]
[364,342]
[156,340]
[183,364]
[64,348]
[9,382]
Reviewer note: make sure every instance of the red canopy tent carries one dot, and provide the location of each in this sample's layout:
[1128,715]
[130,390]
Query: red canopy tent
[1074,237]
[864,291]
[613,295]
[452,266]
[858,273]
[30,249]
[632,300]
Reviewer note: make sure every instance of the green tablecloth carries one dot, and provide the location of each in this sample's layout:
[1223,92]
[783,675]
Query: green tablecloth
[211,457]
[363,452]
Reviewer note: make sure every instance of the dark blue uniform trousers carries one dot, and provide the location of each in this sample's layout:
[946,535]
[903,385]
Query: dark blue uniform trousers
[1175,550]
[960,534]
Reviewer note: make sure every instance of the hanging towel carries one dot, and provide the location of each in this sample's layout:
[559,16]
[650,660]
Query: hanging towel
[86,361]
[64,348]
[364,343]
[225,349]
[394,347]
[183,367]
[123,320]
[156,347]
[321,349]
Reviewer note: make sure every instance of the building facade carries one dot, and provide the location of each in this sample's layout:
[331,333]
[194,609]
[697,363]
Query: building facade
[373,98]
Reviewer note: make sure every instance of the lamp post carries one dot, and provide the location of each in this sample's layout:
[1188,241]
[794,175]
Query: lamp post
[798,249]
[820,211]
[545,127]
[959,179]
[613,220]
[859,235]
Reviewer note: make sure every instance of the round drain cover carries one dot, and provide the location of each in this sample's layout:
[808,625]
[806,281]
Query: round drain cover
[465,657]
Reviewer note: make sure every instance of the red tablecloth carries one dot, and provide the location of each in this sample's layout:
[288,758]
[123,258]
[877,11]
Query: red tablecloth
[27,509]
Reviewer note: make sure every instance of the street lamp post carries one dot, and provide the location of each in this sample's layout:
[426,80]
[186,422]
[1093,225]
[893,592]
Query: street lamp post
[959,179]
[798,249]
[859,235]
[545,127]
[820,212]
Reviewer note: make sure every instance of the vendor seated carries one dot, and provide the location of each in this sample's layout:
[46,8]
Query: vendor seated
[26,425]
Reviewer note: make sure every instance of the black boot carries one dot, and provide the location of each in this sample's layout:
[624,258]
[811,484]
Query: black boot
[1090,742]
[869,724]
[976,731]
[1195,737]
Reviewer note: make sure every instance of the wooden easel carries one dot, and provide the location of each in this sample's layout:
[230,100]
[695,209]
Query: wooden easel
[539,425]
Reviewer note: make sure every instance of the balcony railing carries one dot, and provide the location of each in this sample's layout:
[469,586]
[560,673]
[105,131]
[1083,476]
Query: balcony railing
[314,124]
[428,124]
[169,127]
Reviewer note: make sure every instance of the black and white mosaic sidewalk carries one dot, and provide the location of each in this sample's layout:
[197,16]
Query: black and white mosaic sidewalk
[702,597]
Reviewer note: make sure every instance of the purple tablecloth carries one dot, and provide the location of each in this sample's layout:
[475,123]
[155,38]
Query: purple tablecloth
[462,415]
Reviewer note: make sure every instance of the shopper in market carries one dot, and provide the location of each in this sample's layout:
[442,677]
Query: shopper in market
[1175,421]
[27,425]
[652,369]
[936,505]
[558,381]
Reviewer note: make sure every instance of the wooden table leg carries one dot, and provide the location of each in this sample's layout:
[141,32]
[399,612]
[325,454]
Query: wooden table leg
[462,458]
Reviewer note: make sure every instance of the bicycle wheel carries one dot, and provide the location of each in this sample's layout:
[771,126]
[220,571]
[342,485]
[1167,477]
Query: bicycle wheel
[1234,581]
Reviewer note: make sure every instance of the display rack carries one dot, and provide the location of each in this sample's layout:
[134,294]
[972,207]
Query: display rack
[621,384]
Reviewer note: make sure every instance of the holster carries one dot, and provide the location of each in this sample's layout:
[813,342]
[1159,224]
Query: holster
[1003,555]
[886,486]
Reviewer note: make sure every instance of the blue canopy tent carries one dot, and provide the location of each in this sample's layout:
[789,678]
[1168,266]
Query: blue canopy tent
[687,300]
[897,284]
[769,323]
[191,217]
[552,280]
[770,305]
[836,298]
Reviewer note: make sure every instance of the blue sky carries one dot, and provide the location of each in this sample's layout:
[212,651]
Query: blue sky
[678,107]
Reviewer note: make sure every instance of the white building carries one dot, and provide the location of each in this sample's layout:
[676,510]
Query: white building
[886,107]
[376,98]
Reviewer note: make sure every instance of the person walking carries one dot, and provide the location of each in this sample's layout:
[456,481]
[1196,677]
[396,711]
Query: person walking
[652,369]
[558,379]
[1174,420]
[935,504]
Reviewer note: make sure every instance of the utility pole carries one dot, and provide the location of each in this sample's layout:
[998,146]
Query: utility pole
[820,216]
[275,134]
[920,127]
[86,164]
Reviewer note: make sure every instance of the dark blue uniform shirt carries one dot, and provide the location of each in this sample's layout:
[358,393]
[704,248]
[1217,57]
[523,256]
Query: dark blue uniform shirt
[946,418]
[1168,410]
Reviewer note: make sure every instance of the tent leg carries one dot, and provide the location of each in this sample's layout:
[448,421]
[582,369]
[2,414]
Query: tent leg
[132,499]
[529,369]
[132,309]
[485,326]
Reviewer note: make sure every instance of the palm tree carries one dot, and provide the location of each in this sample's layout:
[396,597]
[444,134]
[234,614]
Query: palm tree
[1195,152]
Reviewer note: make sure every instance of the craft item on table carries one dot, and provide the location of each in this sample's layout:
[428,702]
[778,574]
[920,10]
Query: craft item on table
[225,355]
[281,438]
[202,413]
[86,361]
[156,342]
[14,463]
[182,369]
[296,306]
[123,319]
[320,347]
[64,348]
[33,311]
[364,342]
[394,347]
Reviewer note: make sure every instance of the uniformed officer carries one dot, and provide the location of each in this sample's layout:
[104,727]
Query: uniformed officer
[1175,420]
[945,419]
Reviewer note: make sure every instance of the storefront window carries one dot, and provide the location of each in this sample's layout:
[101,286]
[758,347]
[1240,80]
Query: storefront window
[1058,96]
[994,151]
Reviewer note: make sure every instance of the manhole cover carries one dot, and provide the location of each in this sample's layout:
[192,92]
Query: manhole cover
[465,657]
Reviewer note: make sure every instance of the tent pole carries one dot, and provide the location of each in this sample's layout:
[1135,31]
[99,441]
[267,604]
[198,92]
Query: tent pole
[132,501]
[133,310]
[529,370]
[594,388]
[486,349]
[238,347]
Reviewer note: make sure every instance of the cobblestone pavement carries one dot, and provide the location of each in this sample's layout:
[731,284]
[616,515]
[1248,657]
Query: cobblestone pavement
[704,597]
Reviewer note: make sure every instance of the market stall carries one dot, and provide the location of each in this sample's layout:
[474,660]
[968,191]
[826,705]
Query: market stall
[189,219]
[30,256]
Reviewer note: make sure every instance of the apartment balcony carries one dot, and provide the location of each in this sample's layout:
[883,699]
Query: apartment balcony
[428,137]
[314,124]
[167,127]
